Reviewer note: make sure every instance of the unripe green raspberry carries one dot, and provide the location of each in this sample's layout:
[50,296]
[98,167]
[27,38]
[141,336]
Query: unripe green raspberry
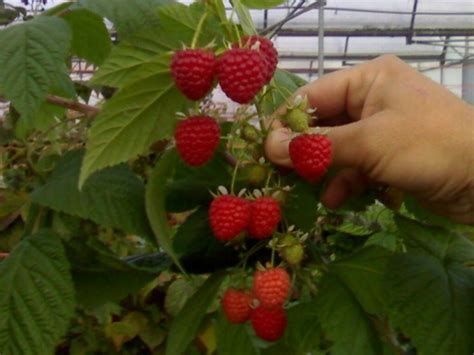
[291,250]
[250,133]
[297,120]
[255,174]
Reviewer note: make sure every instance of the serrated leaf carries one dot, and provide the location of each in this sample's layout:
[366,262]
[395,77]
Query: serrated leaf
[90,38]
[197,247]
[36,297]
[344,320]
[135,117]
[32,60]
[186,324]
[233,339]
[114,197]
[262,4]
[127,16]
[155,202]
[147,51]
[385,240]
[431,301]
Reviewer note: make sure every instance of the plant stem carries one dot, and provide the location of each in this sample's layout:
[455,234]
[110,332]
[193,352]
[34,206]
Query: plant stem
[234,174]
[89,111]
[198,30]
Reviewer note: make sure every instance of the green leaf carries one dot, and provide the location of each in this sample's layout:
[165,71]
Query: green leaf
[147,52]
[344,320]
[244,17]
[114,197]
[362,273]
[190,187]
[433,269]
[177,294]
[435,241]
[385,240]
[199,250]
[186,324]
[303,333]
[97,288]
[301,208]
[37,296]
[127,16]
[90,38]
[233,339]
[135,117]
[100,276]
[431,300]
[155,202]
[31,61]
[262,4]
[277,97]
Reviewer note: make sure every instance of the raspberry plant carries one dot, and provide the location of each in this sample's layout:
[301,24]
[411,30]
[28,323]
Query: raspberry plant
[151,222]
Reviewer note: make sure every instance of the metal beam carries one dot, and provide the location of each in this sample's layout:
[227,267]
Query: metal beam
[412,22]
[321,39]
[431,57]
[378,32]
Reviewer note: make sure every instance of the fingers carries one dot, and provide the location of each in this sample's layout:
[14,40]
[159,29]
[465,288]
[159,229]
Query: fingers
[346,184]
[276,147]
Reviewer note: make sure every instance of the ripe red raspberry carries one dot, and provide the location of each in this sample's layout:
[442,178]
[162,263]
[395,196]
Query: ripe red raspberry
[196,139]
[264,218]
[269,324]
[241,74]
[311,155]
[236,305]
[229,215]
[270,54]
[193,72]
[271,287]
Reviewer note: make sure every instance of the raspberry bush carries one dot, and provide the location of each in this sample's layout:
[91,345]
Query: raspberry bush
[149,221]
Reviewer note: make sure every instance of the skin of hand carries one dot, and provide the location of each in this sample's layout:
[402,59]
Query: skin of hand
[391,125]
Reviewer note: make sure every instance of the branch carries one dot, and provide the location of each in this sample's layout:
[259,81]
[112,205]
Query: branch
[276,27]
[4,255]
[89,111]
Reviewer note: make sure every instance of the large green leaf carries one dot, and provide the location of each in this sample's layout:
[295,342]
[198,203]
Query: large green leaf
[114,197]
[197,247]
[100,276]
[190,186]
[362,273]
[145,52]
[155,202]
[344,320]
[127,16]
[32,60]
[233,339]
[90,37]
[303,333]
[186,324]
[431,291]
[36,296]
[135,117]
[301,208]
[262,4]
[435,241]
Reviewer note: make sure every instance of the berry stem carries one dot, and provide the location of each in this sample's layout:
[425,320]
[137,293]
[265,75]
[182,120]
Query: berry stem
[198,30]
[234,174]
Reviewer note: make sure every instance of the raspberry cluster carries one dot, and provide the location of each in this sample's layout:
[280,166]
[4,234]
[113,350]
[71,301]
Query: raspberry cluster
[229,216]
[263,306]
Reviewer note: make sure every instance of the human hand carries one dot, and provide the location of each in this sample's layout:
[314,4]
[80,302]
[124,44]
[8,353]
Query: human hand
[395,127]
